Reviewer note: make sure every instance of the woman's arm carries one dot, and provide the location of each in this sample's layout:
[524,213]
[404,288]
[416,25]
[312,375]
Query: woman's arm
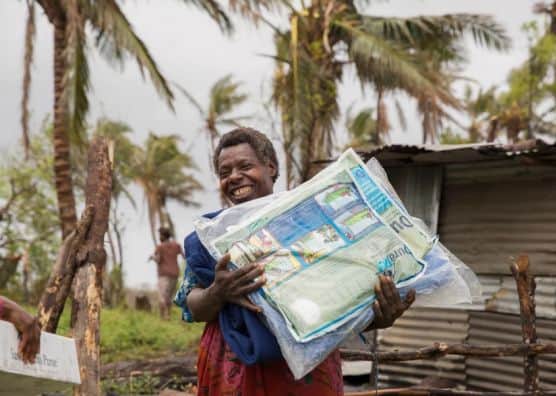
[228,287]
[26,325]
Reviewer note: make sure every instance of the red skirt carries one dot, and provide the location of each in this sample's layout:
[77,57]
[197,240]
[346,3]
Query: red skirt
[222,374]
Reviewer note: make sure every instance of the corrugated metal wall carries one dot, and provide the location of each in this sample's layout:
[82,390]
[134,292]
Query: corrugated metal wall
[492,212]
[419,188]
[506,374]
[500,295]
[421,327]
[489,212]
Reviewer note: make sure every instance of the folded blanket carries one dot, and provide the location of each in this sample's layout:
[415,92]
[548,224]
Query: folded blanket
[243,330]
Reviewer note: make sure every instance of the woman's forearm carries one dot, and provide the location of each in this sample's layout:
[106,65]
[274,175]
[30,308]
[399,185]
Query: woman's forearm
[8,309]
[204,304]
[13,313]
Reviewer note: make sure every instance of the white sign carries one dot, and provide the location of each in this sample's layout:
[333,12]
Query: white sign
[56,362]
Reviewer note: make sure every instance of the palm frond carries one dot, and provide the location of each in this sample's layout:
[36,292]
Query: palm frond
[416,31]
[362,127]
[215,12]
[116,37]
[161,170]
[225,96]
[190,98]
[30,31]
[384,62]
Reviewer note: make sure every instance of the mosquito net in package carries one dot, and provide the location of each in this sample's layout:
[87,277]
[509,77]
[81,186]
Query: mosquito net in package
[323,245]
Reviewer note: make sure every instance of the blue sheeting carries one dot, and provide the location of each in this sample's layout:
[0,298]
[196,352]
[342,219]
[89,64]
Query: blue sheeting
[242,329]
[252,341]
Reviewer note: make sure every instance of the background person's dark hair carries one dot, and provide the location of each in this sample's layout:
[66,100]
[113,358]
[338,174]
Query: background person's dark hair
[164,233]
[261,145]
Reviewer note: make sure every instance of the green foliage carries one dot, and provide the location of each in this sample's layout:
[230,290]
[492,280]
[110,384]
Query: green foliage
[224,98]
[133,335]
[144,384]
[526,105]
[415,55]
[162,171]
[128,334]
[362,128]
[450,137]
[29,226]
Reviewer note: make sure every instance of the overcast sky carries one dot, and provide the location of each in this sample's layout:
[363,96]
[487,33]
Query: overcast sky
[190,50]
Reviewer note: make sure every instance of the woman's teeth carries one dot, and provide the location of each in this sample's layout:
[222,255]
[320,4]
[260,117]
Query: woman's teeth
[241,191]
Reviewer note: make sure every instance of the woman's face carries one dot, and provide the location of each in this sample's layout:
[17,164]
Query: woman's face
[242,175]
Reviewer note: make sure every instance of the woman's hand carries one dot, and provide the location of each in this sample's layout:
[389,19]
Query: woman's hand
[388,305]
[234,286]
[227,287]
[28,329]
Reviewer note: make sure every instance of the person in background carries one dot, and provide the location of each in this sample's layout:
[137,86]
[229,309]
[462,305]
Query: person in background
[166,258]
[27,327]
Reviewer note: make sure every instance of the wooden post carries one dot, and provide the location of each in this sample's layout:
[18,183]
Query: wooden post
[91,259]
[526,291]
[58,287]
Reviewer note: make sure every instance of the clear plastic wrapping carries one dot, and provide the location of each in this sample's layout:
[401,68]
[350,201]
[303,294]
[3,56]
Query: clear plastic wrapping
[323,245]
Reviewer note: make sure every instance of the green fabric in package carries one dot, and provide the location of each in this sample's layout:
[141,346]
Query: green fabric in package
[324,243]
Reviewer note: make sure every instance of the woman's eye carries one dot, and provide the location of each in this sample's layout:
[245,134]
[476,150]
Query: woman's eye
[223,175]
[246,166]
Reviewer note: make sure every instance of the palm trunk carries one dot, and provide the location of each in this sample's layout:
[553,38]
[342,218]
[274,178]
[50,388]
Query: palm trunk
[62,166]
[27,61]
[165,219]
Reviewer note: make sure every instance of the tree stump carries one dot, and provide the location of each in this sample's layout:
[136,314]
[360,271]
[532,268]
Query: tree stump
[91,260]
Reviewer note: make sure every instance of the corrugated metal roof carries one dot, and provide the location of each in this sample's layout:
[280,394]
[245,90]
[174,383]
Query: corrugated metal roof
[506,374]
[400,154]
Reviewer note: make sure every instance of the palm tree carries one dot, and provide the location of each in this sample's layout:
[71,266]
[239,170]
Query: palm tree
[493,114]
[326,36]
[116,40]
[362,128]
[224,98]
[161,170]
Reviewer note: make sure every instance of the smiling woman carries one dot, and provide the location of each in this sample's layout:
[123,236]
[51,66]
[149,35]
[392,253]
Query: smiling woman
[238,354]
[246,164]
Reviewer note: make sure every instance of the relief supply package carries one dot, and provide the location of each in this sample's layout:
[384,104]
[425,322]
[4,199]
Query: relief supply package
[323,245]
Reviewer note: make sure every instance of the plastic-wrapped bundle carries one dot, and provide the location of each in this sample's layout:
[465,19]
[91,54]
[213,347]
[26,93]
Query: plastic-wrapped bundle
[323,245]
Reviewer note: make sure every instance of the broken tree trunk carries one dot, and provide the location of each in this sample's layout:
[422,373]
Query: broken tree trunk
[526,292]
[58,287]
[91,259]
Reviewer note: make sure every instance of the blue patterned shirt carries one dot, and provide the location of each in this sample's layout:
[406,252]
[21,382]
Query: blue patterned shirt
[189,282]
